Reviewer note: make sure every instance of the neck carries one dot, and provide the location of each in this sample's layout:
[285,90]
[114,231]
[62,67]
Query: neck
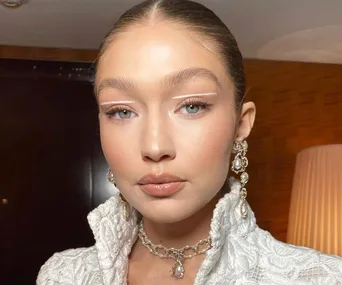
[186,232]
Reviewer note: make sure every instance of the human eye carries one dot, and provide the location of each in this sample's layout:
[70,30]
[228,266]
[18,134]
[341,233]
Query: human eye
[120,113]
[193,107]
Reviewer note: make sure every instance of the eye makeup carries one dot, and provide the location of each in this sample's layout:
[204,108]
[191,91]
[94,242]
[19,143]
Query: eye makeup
[116,102]
[194,95]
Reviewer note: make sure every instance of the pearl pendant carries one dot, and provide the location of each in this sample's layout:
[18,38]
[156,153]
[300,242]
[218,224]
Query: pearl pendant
[238,164]
[178,270]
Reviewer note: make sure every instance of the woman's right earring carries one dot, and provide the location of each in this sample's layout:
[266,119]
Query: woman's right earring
[239,165]
[125,207]
[110,177]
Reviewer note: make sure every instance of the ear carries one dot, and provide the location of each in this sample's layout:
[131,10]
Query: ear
[246,121]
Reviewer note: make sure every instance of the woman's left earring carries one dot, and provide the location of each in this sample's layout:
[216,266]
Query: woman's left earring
[239,165]
[125,207]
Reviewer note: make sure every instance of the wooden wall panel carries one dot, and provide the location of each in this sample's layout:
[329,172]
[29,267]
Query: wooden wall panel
[299,105]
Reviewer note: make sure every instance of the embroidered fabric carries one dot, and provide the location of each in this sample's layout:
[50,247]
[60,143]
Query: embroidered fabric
[242,253]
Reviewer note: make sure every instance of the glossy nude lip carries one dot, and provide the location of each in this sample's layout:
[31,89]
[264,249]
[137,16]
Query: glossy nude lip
[161,185]
[163,189]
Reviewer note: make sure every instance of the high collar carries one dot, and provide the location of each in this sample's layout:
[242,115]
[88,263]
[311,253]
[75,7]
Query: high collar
[115,236]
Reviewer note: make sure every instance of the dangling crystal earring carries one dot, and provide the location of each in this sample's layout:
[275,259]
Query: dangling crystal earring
[125,207]
[239,165]
[110,177]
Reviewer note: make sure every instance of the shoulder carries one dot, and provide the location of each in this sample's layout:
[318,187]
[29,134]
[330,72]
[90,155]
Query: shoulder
[73,266]
[299,263]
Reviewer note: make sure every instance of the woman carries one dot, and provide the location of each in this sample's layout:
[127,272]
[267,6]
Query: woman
[170,88]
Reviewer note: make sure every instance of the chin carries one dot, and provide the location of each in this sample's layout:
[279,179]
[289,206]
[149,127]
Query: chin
[168,210]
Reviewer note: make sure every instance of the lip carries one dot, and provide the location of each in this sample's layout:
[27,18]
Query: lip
[159,179]
[161,185]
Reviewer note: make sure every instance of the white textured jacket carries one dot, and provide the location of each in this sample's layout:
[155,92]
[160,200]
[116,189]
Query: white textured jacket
[242,253]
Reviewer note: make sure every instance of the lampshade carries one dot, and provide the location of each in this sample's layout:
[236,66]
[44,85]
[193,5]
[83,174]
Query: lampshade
[315,218]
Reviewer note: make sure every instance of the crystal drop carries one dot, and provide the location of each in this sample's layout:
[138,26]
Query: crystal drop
[237,164]
[245,161]
[236,147]
[243,193]
[245,145]
[243,209]
[244,177]
[125,211]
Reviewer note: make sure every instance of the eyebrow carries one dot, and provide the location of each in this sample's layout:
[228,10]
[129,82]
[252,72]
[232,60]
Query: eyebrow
[119,83]
[171,80]
[185,75]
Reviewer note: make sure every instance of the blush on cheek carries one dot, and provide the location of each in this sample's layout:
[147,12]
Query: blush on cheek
[206,150]
[216,136]
[216,148]
[120,161]
[113,148]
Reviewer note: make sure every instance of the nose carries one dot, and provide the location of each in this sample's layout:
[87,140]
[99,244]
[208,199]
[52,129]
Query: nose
[157,143]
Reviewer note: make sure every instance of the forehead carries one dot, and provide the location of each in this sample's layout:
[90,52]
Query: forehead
[151,52]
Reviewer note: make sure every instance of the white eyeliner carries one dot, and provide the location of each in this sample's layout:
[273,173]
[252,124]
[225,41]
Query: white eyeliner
[195,94]
[116,102]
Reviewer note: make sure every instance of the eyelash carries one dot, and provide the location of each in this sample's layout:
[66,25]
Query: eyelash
[111,113]
[204,106]
[195,102]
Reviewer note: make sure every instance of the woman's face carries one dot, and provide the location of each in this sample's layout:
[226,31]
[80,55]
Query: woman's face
[166,109]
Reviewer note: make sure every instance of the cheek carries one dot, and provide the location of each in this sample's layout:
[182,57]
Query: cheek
[116,149]
[214,150]
[209,143]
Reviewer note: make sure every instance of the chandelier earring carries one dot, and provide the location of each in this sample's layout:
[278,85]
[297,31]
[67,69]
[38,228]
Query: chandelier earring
[110,177]
[125,207]
[239,165]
